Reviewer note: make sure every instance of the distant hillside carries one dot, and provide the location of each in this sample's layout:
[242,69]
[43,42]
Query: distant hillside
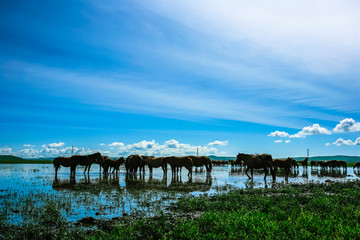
[349,159]
[14,159]
[216,158]
[11,158]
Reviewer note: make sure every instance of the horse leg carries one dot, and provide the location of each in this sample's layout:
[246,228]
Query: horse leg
[247,169]
[252,173]
[265,170]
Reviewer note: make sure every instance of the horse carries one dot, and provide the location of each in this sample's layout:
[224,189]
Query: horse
[285,164]
[304,162]
[110,163]
[256,161]
[74,161]
[202,161]
[357,165]
[143,163]
[133,162]
[294,163]
[156,163]
[314,164]
[87,160]
[177,163]
[65,162]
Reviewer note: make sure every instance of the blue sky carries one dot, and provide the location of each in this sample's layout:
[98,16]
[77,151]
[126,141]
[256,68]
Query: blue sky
[171,77]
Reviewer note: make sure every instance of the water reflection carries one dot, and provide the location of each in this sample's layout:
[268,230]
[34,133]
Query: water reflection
[102,184]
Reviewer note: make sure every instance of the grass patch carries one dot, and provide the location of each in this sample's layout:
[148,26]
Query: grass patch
[298,211]
[295,211]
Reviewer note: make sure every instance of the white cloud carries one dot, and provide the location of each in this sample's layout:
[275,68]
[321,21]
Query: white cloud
[102,144]
[341,142]
[115,144]
[287,141]
[347,125]
[278,141]
[278,134]
[218,143]
[56,145]
[315,129]
[172,143]
[28,153]
[327,144]
[170,147]
[144,145]
[5,150]
[28,145]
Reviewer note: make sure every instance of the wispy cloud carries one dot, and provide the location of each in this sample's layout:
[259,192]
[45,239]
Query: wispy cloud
[218,143]
[293,30]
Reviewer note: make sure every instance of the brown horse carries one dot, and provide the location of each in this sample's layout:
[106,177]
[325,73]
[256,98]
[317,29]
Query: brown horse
[285,164]
[87,160]
[65,162]
[295,164]
[304,162]
[357,165]
[112,163]
[256,161]
[133,162]
[74,161]
[177,163]
[314,164]
[202,161]
[156,163]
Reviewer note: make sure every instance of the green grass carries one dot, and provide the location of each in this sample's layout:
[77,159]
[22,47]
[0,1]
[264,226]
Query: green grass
[294,211]
[313,211]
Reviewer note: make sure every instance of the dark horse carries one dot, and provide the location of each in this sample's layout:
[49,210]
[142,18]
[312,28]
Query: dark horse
[285,164]
[304,162]
[256,161]
[199,161]
[72,162]
[112,163]
[357,165]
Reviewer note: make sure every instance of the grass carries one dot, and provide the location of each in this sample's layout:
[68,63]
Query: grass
[313,211]
[296,211]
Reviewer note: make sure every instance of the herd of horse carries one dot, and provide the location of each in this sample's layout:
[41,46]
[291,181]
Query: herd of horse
[133,163]
[136,162]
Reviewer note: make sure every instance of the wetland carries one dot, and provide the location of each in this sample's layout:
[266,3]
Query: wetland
[32,199]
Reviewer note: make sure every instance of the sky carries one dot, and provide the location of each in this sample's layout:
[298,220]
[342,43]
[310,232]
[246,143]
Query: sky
[179,77]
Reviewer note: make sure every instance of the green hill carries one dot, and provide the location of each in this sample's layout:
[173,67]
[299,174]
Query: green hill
[349,159]
[14,159]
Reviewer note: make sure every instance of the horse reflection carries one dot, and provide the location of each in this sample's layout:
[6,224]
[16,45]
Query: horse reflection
[135,184]
[102,184]
[191,185]
[329,172]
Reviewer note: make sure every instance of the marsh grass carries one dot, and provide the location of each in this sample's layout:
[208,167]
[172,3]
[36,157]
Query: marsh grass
[301,211]
[296,211]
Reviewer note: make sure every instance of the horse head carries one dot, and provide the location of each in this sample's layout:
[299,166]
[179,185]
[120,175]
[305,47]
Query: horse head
[97,157]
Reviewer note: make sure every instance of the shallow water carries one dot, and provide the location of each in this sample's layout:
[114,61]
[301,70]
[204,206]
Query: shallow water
[113,196]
